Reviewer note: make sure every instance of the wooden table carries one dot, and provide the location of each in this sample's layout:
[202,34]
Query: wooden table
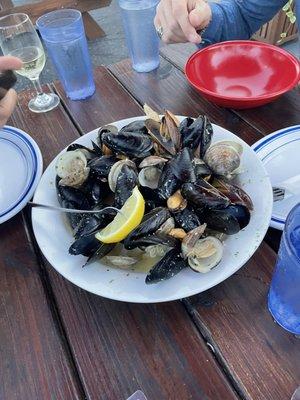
[59,342]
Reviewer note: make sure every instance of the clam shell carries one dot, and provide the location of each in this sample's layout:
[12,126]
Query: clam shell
[206,254]
[71,167]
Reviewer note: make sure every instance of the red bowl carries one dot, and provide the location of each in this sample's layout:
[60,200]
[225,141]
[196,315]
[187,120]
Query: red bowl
[243,73]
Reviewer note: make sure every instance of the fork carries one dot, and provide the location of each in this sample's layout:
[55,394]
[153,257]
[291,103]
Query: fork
[278,193]
[70,210]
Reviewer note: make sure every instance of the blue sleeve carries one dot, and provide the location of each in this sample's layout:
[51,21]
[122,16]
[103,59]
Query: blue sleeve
[239,19]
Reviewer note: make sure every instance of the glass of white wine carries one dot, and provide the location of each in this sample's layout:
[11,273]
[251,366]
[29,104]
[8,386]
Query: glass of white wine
[19,38]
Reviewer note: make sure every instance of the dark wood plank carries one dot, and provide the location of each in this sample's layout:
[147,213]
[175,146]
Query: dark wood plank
[92,29]
[35,362]
[245,293]
[234,318]
[168,88]
[101,108]
[277,115]
[117,347]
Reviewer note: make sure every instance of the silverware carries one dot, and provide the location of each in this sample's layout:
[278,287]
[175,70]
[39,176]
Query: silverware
[286,188]
[69,210]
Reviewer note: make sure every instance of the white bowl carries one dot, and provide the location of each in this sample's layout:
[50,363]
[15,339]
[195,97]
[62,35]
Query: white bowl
[54,238]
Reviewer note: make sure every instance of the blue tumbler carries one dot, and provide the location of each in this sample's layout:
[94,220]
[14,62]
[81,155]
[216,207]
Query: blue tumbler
[141,37]
[63,34]
[284,294]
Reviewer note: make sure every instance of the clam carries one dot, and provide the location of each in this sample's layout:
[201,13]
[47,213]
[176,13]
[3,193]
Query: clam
[152,161]
[72,168]
[149,177]
[224,157]
[205,254]
[115,171]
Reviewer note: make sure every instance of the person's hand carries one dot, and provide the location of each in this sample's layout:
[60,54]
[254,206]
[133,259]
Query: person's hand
[179,20]
[7,104]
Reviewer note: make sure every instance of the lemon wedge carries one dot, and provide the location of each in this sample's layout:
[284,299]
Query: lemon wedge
[130,216]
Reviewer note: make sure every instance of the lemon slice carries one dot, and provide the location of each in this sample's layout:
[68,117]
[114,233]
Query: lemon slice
[126,221]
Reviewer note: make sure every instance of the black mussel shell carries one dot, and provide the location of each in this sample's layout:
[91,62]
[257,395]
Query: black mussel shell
[103,250]
[164,143]
[190,131]
[229,220]
[149,240]
[96,191]
[150,224]
[186,219]
[75,197]
[175,172]
[91,223]
[100,167]
[126,182]
[196,134]
[130,144]
[200,196]
[74,219]
[171,264]
[168,183]
[97,150]
[234,193]
[137,126]
[206,136]
[183,167]
[85,245]
[202,171]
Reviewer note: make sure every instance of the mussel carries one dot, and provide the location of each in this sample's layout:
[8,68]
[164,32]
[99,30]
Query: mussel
[229,220]
[233,192]
[137,126]
[100,167]
[126,182]
[170,265]
[201,196]
[196,134]
[186,219]
[131,144]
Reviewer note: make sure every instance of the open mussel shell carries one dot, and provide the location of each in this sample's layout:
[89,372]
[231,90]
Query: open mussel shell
[131,144]
[170,265]
[150,240]
[91,223]
[170,129]
[201,169]
[123,262]
[166,145]
[224,158]
[71,167]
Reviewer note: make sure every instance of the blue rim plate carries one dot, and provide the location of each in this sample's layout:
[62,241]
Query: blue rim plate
[279,152]
[20,170]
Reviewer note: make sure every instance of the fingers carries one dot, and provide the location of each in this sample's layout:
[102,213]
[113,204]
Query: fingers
[172,16]
[10,62]
[200,15]
[180,14]
[7,105]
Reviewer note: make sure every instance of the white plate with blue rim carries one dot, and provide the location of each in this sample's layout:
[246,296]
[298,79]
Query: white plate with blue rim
[21,167]
[280,155]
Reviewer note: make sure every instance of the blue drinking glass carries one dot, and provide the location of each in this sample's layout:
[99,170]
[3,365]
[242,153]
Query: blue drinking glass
[284,294]
[63,34]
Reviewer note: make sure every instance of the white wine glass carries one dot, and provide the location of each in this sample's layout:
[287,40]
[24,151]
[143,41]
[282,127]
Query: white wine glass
[19,38]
